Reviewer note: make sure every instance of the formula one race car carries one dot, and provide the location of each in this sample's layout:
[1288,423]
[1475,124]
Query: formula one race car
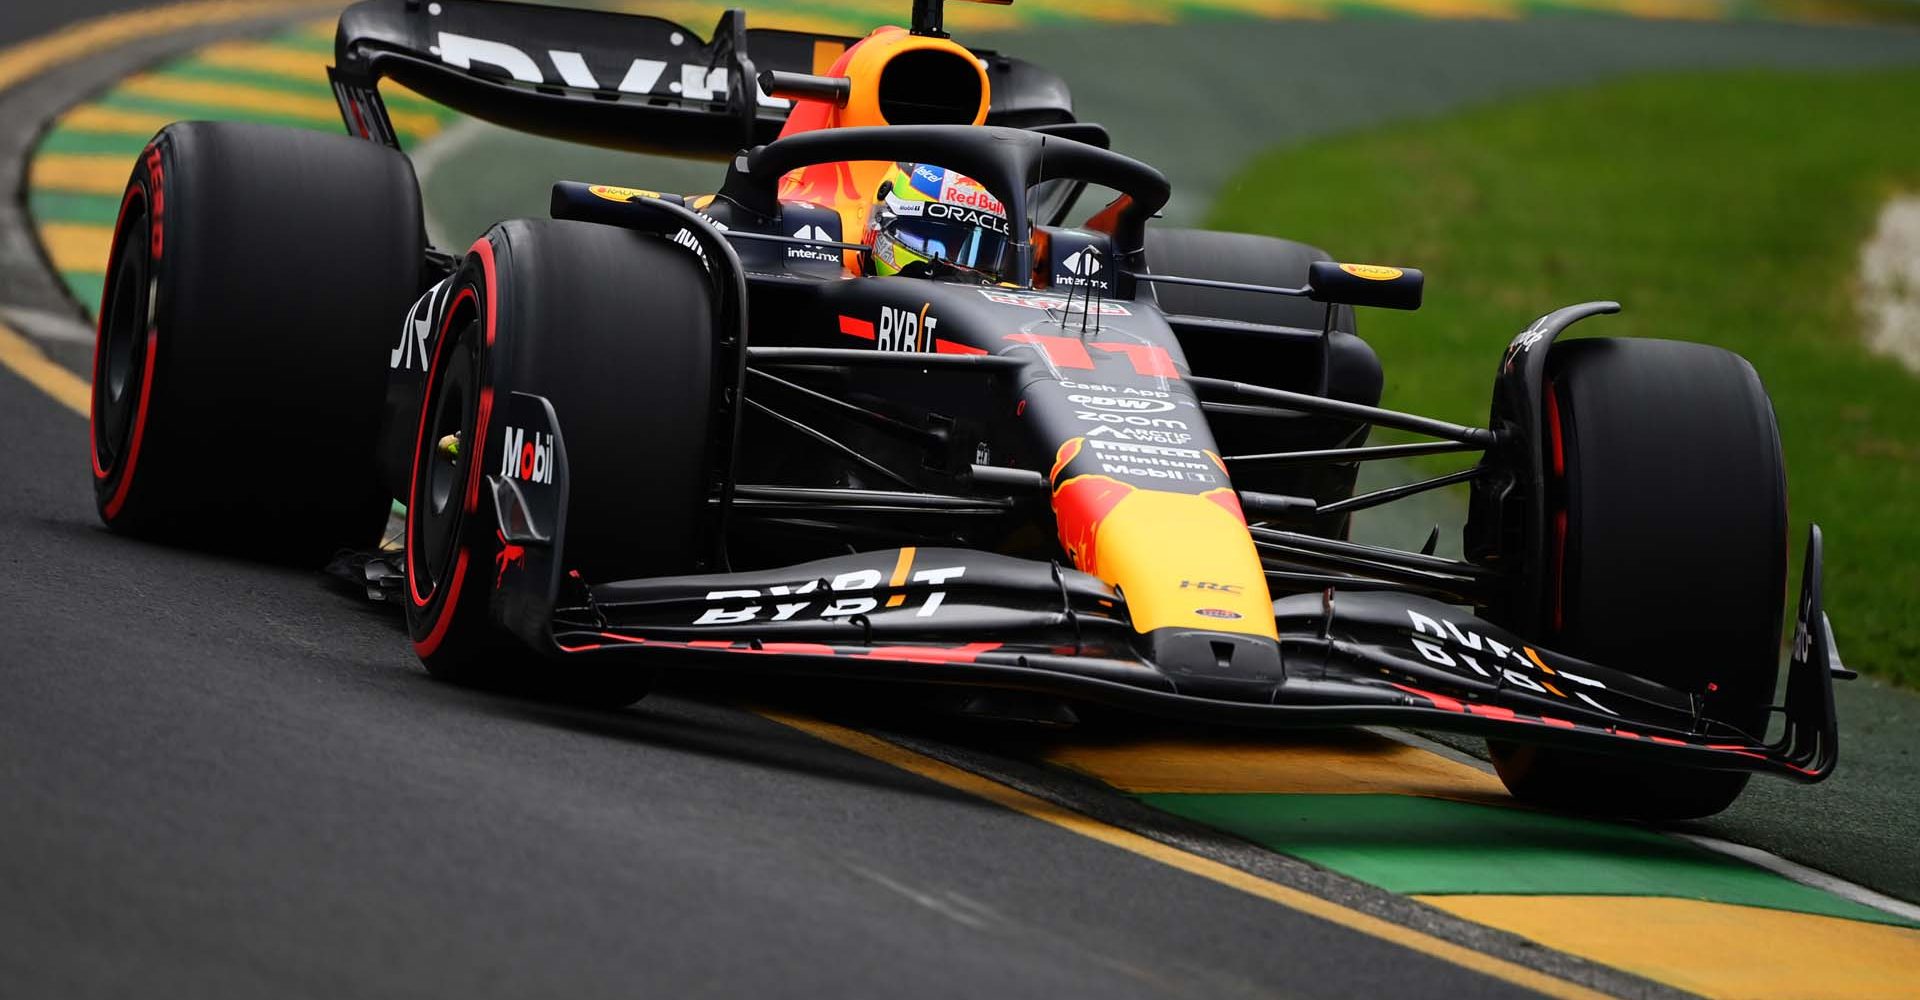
[873,409]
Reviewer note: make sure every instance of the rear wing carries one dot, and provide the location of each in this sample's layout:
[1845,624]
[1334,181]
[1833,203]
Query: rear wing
[622,81]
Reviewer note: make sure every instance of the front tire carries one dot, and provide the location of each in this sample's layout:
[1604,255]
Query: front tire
[615,329]
[255,279]
[1668,506]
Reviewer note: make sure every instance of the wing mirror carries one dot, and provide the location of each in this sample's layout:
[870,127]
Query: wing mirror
[1374,285]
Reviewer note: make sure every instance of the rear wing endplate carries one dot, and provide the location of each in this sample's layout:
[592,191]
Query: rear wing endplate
[621,81]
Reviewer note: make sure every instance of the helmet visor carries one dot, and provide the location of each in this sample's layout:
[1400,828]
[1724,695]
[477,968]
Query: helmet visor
[963,237]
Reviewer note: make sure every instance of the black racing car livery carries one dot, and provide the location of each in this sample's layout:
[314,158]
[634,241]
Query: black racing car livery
[704,431]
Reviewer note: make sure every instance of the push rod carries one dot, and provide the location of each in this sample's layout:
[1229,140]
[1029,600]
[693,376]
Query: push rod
[1371,453]
[1305,403]
[1392,493]
[1366,553]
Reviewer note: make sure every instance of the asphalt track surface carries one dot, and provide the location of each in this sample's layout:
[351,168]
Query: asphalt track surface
[221,780]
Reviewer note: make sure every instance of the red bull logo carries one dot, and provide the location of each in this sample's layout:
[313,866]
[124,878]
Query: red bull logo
[973,197]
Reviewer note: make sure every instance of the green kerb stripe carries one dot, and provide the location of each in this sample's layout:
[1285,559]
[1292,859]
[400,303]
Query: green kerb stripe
[86,288]
[60,206]
[1418,846]
[127,144]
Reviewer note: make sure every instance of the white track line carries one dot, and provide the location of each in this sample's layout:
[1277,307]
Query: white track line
[1805,876]
[1794,871]
[46,325]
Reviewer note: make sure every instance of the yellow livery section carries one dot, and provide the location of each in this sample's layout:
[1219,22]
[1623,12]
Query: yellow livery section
[1182,560]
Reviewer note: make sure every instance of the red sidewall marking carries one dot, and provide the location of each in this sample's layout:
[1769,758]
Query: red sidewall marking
[450,603]
[139,428]
[156,214]
[1558,556]
[99,329]
[420,441]
[426,647]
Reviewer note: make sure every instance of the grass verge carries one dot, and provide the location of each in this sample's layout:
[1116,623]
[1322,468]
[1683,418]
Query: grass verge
[1726,208]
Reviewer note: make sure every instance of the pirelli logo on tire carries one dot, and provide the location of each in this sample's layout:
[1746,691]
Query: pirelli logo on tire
[527,457]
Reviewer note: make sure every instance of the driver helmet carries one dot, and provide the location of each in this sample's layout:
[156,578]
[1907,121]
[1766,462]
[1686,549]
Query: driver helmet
[929,221]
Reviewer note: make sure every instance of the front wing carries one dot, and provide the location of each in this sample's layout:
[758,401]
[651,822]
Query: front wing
[957,617]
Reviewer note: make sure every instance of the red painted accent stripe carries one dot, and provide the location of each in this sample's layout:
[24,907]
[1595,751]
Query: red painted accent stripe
[932,654]
[1492,711]
[857,328]
[1148,360]
[793,649]
[1557,723]
[1227,498]
[949,347]
[1061,352]
[1439,700]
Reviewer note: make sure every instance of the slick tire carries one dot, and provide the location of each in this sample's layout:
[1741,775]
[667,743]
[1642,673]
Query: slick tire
[615,329]
[256,280]
[1669,493]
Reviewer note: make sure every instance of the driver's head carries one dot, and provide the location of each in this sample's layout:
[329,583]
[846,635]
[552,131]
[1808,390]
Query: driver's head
[929,221]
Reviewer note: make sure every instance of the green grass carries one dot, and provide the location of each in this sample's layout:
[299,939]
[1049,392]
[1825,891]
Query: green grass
[1723,208]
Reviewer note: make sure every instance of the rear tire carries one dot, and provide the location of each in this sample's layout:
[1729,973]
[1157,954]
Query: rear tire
[1672,562]
[255,279]
[615,329]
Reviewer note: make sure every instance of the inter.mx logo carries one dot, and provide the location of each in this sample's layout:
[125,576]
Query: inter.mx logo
[527,457]
[1083,269]
[1084,262]
[819,253]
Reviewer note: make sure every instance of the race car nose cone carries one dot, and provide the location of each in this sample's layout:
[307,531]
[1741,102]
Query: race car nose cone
[1223,665]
